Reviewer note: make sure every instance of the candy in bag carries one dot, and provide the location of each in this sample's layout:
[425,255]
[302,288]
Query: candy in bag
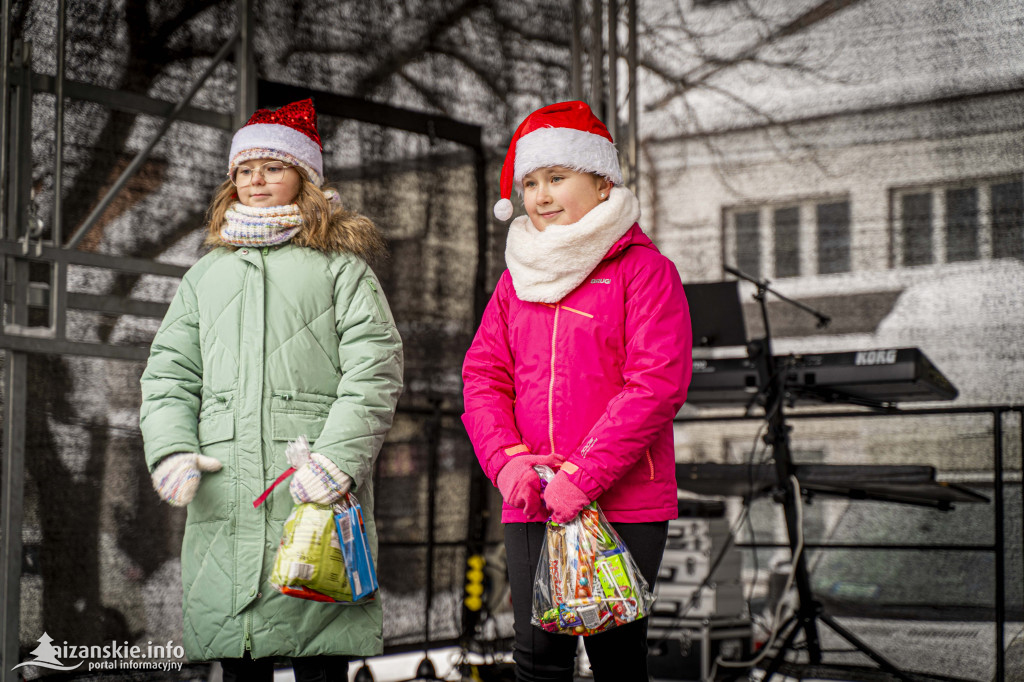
[587,581]
[324,555]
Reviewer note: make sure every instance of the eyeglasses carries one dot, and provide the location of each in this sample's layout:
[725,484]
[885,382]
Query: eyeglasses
[272,173]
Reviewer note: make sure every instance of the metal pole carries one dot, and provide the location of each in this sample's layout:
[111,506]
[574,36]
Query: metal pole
[58,131]
[141,157]
[596,58]
[997,500]
[632,136]
[612,114]
[483,241]
[577,49]
[246,65]
[18,129]
[13,509]
[5,64]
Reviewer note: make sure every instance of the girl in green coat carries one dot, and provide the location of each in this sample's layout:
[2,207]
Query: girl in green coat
[280,331]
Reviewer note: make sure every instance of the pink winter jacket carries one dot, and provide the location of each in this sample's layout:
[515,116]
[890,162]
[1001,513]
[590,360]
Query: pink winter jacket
[596,378]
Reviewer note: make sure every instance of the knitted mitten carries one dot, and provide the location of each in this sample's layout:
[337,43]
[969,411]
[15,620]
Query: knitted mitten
[176,477]
[519,483]
[319,480]
[564,499]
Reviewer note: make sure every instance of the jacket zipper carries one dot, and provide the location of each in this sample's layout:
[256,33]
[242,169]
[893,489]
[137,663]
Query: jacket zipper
[248,629]
[650,463]
[376,299]
[551,382]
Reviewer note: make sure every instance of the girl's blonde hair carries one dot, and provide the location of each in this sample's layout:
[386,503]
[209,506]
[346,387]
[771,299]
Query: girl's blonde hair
[326,227]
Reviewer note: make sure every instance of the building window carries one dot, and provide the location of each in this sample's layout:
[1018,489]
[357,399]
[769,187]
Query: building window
[965,221]
[917,228]
[748,243]
[962,224]
[787,241]
[799,238]
[833,237]
[1008,220]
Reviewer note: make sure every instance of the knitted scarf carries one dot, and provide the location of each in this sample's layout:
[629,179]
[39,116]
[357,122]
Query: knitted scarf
[263,226]
[547,265]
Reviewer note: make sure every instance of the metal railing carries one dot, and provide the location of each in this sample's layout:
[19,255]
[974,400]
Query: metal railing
[997,547]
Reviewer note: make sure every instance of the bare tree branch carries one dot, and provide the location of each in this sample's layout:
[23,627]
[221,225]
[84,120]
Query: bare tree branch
[701,73]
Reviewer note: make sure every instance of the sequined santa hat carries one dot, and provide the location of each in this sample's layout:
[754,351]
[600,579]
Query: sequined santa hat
[564,134]
[287,134]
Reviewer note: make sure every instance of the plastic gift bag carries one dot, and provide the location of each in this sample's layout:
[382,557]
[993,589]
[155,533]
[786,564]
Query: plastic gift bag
[324,555]
[355,547]
[587,581]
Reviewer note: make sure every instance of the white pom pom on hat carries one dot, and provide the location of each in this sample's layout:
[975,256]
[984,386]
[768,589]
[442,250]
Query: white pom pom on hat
[503,209]
[563,134]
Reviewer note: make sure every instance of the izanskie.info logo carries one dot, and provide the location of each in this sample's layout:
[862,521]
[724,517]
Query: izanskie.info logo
[111,656]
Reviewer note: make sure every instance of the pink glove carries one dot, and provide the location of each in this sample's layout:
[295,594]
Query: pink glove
[564,499]
[519,483]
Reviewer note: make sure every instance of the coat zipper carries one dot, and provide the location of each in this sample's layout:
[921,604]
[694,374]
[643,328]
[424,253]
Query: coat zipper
[248,616]
[650,463]
[551,382]
[248,631]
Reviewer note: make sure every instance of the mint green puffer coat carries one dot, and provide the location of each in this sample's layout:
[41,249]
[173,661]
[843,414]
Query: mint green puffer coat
[258,347]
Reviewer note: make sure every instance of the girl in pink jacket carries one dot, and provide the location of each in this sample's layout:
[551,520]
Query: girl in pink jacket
[581,362]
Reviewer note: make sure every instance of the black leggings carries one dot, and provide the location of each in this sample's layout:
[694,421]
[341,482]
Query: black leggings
[307,669]
[618,655]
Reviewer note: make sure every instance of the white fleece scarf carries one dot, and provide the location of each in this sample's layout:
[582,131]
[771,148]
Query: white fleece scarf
[547,265]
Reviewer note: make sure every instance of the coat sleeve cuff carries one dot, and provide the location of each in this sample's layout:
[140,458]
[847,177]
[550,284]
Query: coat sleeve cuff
[502,457]
[579,477]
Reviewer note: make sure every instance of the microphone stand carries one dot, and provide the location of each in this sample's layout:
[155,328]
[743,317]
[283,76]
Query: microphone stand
[772,387]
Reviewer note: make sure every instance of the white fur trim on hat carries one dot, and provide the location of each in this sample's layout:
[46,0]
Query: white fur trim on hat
[569,147]
[274,137]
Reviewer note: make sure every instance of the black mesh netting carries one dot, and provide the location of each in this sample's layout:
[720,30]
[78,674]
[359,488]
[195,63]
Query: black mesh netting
[101,554]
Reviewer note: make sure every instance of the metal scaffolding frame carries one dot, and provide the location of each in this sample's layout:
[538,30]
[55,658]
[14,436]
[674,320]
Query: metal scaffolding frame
[597,60]
[24,245]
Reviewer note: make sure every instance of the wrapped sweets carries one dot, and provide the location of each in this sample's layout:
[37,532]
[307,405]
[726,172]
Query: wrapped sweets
[586,581]
[309,562]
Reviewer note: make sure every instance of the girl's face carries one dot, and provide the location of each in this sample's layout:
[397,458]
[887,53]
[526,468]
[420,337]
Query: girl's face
[560,196]
[254,190]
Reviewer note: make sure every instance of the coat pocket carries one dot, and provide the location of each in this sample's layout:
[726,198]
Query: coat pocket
[287,425]
[216,427]
[214,499]
[380,311]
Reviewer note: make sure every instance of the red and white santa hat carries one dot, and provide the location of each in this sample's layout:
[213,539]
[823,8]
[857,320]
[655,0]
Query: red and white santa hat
[564,134]
[287,134]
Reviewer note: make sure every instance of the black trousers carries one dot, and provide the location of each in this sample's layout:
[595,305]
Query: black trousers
[618,655]
[307,669]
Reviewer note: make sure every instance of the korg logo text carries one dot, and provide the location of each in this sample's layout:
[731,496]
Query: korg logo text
[875,357]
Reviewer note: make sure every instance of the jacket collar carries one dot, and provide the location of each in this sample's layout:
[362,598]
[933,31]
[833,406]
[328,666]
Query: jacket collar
[633,237]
